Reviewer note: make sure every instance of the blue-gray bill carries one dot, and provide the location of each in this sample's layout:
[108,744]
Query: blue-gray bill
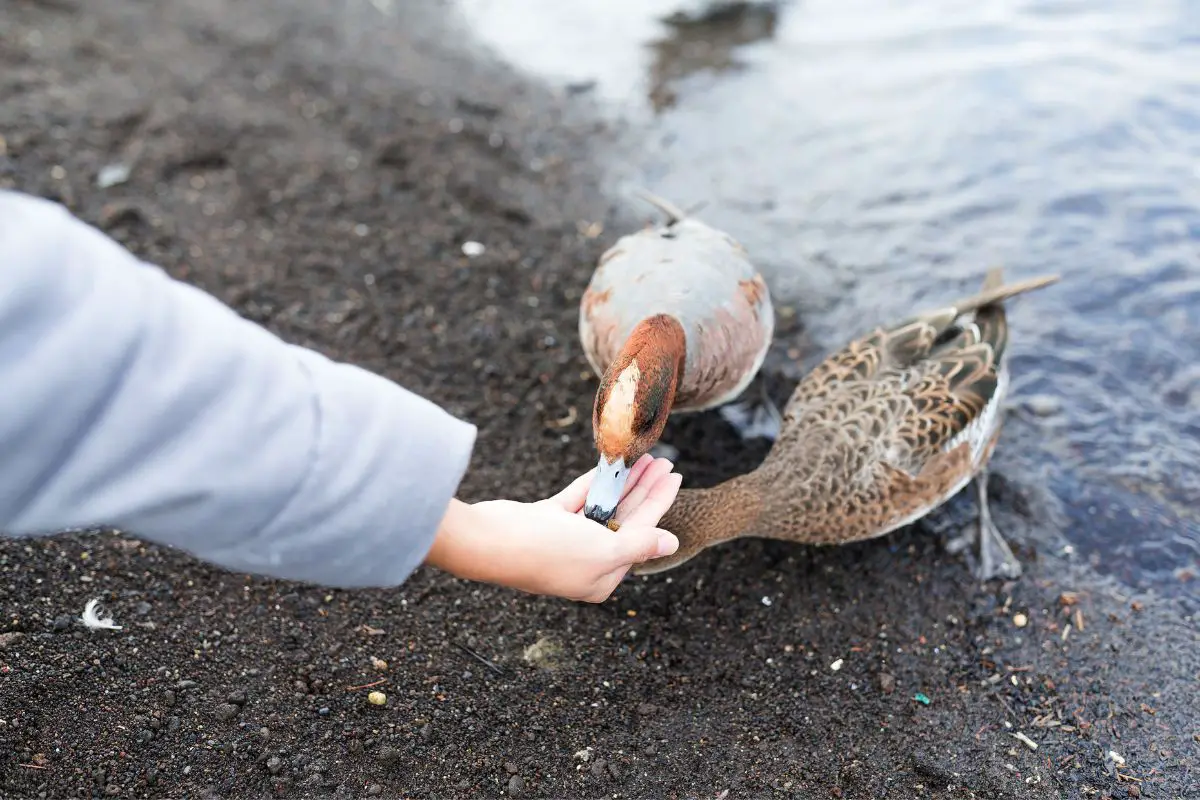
[605,492]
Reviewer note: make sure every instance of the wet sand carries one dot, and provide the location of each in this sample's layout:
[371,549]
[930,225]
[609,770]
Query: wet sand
[321,176]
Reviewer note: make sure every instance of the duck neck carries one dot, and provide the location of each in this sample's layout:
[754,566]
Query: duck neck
[701,518]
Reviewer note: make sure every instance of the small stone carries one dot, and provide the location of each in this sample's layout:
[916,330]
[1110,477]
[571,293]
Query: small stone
[112,175]
[112,790]
[836,665]
[887,682]
[8,638]
[650,749]
[168,698]
[226,711]
[377,698]
[323,711]
[472,249]
[374,789]
[510,768]
[516,785]
[425,732]
[1020,620]
[600,768]
[274,764]
[142,608]
[62,622]
[388,756]
[186,685]
[237,698]
[379,663]
[646,709]
[614,770]
[173,724]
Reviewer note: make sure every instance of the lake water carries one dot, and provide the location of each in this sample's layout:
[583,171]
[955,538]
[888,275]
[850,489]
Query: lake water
[877,157]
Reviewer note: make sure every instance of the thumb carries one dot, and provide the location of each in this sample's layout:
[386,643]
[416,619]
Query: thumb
[642,544]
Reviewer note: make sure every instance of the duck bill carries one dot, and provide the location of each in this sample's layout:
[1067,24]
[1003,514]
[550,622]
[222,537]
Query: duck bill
[605,492]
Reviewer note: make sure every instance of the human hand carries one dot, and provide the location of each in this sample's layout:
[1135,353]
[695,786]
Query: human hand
[549,547]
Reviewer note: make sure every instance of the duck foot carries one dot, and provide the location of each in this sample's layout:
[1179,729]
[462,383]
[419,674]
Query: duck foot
[664,450]
[996,559]
[754,419]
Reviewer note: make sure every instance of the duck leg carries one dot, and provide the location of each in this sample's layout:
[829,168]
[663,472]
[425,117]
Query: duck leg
[996,559]
[754,419]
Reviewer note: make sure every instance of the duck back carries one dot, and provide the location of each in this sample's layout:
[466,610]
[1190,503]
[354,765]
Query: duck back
[701,276]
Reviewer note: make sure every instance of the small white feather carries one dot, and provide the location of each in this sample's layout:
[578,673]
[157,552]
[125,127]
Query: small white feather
[93,621]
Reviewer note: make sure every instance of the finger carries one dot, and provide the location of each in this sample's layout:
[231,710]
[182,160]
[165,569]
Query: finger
[573,497]
[637,473]
[659,497]
[642,544]
[639,493]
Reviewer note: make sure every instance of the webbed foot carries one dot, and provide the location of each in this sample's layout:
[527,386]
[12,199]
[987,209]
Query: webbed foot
[995,558]
[754,419]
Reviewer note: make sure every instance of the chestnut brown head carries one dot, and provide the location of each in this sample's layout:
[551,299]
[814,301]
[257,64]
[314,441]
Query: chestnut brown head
[632,405]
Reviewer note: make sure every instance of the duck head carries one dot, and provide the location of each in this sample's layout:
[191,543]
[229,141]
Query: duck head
[632,405]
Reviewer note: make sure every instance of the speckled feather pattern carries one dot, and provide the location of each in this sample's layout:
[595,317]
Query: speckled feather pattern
[875,437]
[702,277]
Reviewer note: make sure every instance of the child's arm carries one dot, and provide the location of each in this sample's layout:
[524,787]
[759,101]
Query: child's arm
[133,400]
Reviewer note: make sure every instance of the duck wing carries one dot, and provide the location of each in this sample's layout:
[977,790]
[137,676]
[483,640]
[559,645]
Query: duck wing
[934,336]
[889,427]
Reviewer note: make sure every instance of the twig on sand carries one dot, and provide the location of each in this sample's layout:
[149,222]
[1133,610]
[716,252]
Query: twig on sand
[493,666]
[1030,743]
[32,766]
[379,682]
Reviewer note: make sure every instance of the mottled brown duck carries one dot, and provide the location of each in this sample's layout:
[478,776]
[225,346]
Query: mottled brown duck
[874,438]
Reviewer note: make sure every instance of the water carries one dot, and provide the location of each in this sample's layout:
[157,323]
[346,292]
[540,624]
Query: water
[877,157]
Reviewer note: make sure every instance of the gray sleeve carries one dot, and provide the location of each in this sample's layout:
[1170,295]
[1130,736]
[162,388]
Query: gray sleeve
[133,400]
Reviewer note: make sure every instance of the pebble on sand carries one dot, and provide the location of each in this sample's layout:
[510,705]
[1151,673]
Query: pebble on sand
[377,698]
[1020,620]
[472,249]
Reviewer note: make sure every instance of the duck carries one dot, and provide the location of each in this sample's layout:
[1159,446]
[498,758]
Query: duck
[675,319]
[876,436]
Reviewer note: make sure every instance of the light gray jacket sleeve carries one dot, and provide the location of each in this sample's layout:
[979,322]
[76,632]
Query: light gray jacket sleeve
[133,400]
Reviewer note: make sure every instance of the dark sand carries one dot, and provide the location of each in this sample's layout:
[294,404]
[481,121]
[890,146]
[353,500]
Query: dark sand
[260,138]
